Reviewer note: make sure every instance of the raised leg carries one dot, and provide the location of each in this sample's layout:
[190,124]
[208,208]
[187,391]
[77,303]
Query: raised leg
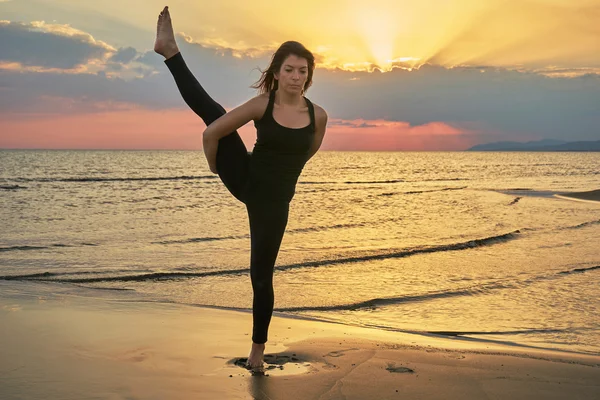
[232,155]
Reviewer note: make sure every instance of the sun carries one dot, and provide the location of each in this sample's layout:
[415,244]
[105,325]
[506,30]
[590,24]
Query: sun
[377,28]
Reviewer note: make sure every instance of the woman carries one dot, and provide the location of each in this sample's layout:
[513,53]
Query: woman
[290,130]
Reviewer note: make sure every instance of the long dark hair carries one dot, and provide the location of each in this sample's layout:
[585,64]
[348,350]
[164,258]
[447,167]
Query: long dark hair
[267,81]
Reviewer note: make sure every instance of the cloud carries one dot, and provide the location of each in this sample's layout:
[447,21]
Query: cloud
[49,45]
[54,48]
[382,135]
[529,34]
[110,129]
[503,100]
[25,93]
[556,72]
[354,124]
[479,102]
[432,128]
[124,55]
[145,129]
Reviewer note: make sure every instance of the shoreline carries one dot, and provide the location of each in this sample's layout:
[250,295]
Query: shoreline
[443,340]
[63,346]
[462,340]
[588,196]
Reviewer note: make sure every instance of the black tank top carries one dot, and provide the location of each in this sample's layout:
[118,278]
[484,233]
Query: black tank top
[279,156]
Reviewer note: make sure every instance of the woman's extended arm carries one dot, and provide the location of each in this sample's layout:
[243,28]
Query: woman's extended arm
[321,122]
[229,122]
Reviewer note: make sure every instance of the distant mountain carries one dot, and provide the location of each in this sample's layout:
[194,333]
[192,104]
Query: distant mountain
[540,145]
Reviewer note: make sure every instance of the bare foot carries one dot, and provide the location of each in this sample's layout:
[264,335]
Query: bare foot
[256,357]
[165,44]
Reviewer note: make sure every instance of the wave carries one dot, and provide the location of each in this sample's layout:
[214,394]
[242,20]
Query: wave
[207,177]
[147,199]
[14,248]
[26,247]
[578,270]
[118,179]
[307,264]
[385,301]
[515,332]
[328,190]
[410,252]
[201,239]
[467,291]
[442,180]
[212,177]
[350,182]
[12,187]
[420,191]
[583,225]
[289,231]
[336,226]
[380,181]
[214,238]
[48,275]
[56,276]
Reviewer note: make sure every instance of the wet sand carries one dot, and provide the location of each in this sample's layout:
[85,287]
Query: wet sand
[70,347]
[592,195]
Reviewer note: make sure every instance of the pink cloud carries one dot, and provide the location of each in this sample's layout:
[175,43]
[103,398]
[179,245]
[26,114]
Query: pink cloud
[382,135]
[131,127]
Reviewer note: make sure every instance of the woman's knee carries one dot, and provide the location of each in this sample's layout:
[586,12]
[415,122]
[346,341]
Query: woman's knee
[262,285]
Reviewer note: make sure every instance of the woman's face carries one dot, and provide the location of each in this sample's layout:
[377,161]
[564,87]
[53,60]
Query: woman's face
[293,74]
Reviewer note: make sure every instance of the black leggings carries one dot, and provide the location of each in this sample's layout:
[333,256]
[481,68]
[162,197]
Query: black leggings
[267,219]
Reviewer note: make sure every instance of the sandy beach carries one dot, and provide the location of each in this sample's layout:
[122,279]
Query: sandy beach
[71,347]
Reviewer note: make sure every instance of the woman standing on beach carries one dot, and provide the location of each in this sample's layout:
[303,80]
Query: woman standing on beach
[290,130]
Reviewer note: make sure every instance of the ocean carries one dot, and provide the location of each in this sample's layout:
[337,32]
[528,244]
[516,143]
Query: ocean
[471,245]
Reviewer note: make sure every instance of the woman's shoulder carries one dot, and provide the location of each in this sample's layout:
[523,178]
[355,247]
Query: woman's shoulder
[257,105]
[262,98]
[261,103]
[318,109]
[320,113]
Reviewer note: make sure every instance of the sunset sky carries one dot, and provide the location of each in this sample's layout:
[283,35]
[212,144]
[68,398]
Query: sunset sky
[392,74]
